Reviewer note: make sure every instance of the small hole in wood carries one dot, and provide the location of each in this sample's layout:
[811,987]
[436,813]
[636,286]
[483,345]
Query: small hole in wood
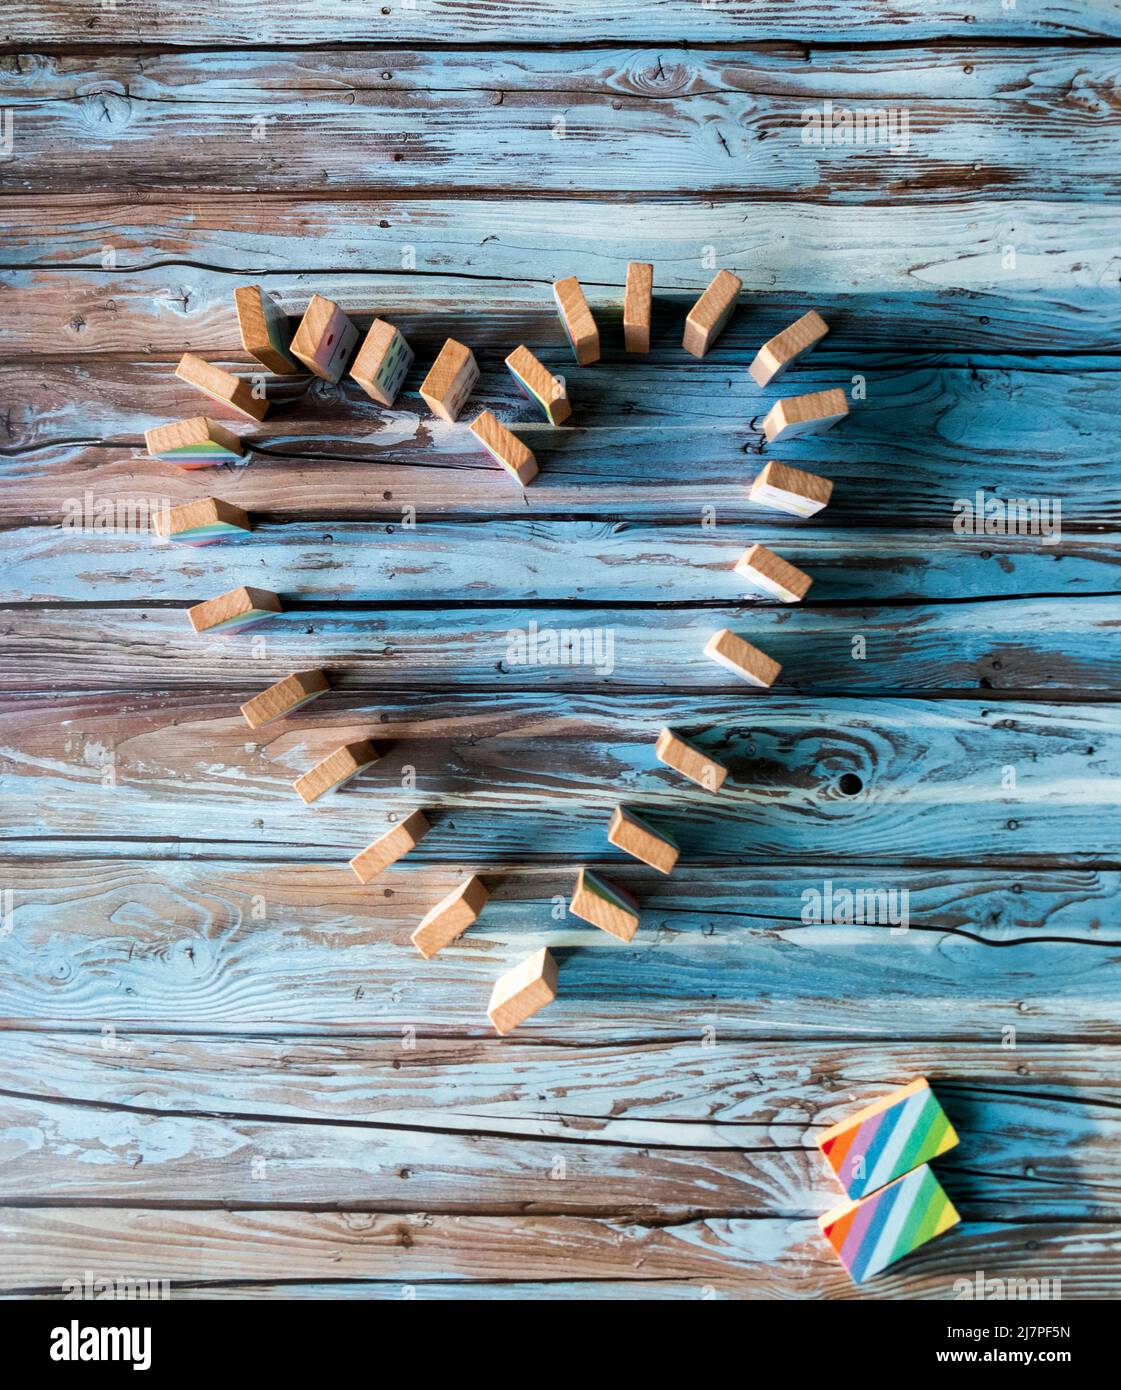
[850,784]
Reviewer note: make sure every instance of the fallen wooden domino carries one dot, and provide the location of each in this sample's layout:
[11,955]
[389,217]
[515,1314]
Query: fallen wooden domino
[771,572]
[793,490]
[870,1233]
[604,905]
[811,414]
[285,697]
[221,385]
[451,917]
[888,1138]
[540,385]
[707,318]
[523,991]
[198,523]
[637,304]
[748,662]
[577,319]
[450,380]
[391,846]
[683,757]
[325,339]
[336,768]
[238,608]
[506,448]
[265,331]
[786,347]
[638,838]
[195,443]
[382,363]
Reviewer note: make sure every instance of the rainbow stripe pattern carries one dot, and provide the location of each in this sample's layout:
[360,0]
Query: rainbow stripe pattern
[887,1139]
[873,1232]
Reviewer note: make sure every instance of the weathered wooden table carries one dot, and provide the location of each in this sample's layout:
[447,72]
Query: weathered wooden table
[222,1063]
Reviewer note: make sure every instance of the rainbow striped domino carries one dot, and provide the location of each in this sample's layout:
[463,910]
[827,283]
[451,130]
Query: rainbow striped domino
[537,383]
[195,443]
[873,1232]
[887,1139]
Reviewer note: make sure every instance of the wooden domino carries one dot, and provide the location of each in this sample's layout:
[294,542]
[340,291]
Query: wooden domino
[284,697]
[604,905]
[391,846]
[450,380]
[506,448]
[451,917]
[707,318]
[811,414]
[194,443]
[886,1139]
[523,991]
[786,489]
[683,757]
[637,303]
[577,319]
[786,347]
[539,384]
[336,768]
[382,363]
[870,1233]
[221,385]
[238,608]
[637,837]
[748,662]
[325,339]
[771,572]
[265,332]
[200,522]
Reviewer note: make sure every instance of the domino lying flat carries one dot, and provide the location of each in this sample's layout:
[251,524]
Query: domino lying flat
[336,768]
[873,1232]
[604,905]
[748,662]
[391,846]
[812,414]
[325,339]
[888,1138]
[195,443]
[637,837]
[577,319]
[522,991]
[505,448]
[451,917]
[708,317]
[540,385]
[771,572]
[450,380]
[793,490]
[221,385]
[786,347]
[265,333]
[199,523]
[285,697]
[238,608]
[382,363]
[689,761]
[637,306]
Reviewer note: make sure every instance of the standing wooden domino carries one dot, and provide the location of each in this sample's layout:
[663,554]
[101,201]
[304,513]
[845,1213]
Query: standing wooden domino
[637,837]
[771,572]
[325,339]
[748,662]
[382,363]
[391,846]
[604,905]
[450,380]
[577,319]
[265,332]
[810,414]
[870,1233]
[238,608]
[888,1138]
[336,768]
[683,757]
[540,385]
[793,490]
[506,448]
[637,304]
[221,385]
[200,522]
[711,312]
[786,347]
[522,991]
[194,443]
[284,697]
[451,917]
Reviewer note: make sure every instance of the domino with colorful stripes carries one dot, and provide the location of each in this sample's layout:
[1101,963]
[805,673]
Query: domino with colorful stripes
[873,1232]
[887,1139]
